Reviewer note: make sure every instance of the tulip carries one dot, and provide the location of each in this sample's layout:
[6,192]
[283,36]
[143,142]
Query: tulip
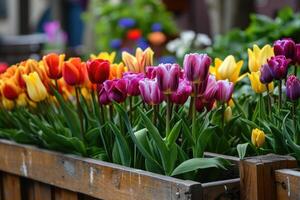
[228,114]
[257,137]
[74,72]
[211,88]
[133,83]
[140,61]
[150,91]
[293,88]
[196,67]
[150,72]
[116,89]
[98,70]
[8,104]
[202,103]
[258,57]
[104,56]
[53,64]
[168,77]
[278,67]
[297,54]
[22,99]
[224,90]
[258,86]
[3,67]
[10,89]
[35,88]
[285,47]
[117,70]
[183,92]
[227,69]
[265,74]
[103,96]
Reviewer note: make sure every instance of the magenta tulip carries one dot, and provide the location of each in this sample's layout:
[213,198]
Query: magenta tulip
[202,103]
[102,95]
[183,92]
[150,72]
[265,74]
[196,67]
[133,80]
[293,88]
[211,88]
[278,67]
[116,89]
[224,90]
[150,91]
[297,54]
[285,47]
[167,77]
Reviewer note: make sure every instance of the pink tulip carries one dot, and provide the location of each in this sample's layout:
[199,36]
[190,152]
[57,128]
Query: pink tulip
[202,103]
[196,67]
[133,80]
[183,92]
[150,72]
[168,77]
[224,90]
[102,95]
[150,91]
[116,89]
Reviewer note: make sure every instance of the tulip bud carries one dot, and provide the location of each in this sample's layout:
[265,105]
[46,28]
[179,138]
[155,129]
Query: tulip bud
[74,72]
[196,67]
[53,64]
[133,83]
[8,104]
[102,95]
[150,92]
[98,70]
[116,89]
[278,67]
[257,137]
[265,74]
[35,88]
[285,47]
[10,89]
[228,114]
[293,88]
[183,92]
[224,90]
[167,77]
[256,84]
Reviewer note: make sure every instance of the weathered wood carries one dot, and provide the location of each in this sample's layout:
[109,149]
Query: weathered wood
[1,188]
[91,177]
[288,184]
[11,187]
[228,189]
[39,191]
[62,194]
[257,175]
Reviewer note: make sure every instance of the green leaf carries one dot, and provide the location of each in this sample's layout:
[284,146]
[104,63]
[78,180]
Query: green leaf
[242,150]
[200,163]
[174,133]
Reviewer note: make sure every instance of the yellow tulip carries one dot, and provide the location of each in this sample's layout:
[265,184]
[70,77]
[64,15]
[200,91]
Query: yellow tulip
[256,85]
[257,137]
[138,62]
[227,69]
[35,88]
[257,57]
[22,100]
[117,70]
[104,56]
[8,104]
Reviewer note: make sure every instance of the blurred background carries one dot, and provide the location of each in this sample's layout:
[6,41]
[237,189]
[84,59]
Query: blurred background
[31,28]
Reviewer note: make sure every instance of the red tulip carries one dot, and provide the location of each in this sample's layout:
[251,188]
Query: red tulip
[53,64]
[98,70]
[74,72]
[10,90]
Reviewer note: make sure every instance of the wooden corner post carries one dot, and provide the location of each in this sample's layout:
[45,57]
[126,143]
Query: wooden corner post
[257,175]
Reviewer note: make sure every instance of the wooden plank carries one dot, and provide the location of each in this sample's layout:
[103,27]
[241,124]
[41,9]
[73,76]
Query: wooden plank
[1,188]
[257,175]
[62,194]
[91,177]
[227,189]
[287,184]
[39,191]
[11,187]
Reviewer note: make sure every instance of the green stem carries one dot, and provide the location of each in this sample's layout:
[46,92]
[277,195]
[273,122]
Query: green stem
[111,113]
[295,69]
[223,116]
[195,154]
[296,136]
[79,111]
[280,95]
[168,116]
[191,107]
[154,116]
[56,85]
[269,100]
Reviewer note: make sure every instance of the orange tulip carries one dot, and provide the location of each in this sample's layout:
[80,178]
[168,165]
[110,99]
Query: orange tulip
[117,70]
[10,89]
[53,65]
[74,72]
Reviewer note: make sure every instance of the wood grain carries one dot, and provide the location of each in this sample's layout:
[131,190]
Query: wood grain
[62,194]
[97,179]
[257,175]
[288,184]
[39,191]
[227,189]
[11,187]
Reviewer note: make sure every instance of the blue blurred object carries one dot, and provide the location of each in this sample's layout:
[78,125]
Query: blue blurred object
[126,22]
[115,43]
[167,59]
[74,25]
[142,43]
[156,27]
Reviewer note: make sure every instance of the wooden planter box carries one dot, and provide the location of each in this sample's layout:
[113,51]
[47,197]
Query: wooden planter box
[32,173]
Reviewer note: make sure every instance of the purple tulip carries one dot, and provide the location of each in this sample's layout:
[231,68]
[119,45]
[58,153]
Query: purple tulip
[167,77]
[285,47]
[297,54]
[150,91]
[150,72]
[278,66]
[102,95]
[293,88]
[116,89]
[133,80]
[202,103]
[265,74]
[211,88]
[224,90]
[196,67]
[183,92]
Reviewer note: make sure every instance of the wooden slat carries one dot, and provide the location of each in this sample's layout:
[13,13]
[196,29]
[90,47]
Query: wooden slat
[1,188]
[39,191]
[287,184]
[62,194]
[257,175]
[11,187]
[91,177]
[227,189]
